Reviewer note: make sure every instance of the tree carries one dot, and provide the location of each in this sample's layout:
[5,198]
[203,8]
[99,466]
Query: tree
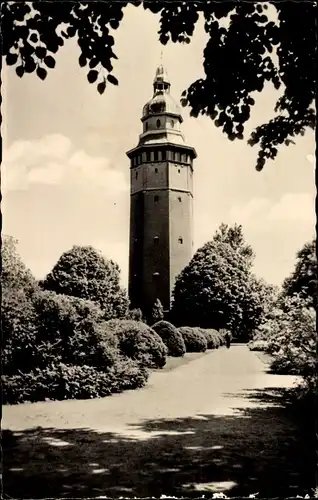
[292,339]
[157,311]
[14,273]
[83,272]
[260,42]
[217,290]
[135,314]
[303,280]
[235,238]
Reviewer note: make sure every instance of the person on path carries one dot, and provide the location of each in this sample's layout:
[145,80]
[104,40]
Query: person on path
[228,338]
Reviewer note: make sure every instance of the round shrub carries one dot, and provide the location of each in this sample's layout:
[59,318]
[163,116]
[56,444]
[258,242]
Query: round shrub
[171,337]
[194,340]
[212,338]
[138,341]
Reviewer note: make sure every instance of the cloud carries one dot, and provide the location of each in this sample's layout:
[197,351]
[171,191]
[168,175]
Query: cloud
[276,230]
[57,196]
[296,209]
[52,160]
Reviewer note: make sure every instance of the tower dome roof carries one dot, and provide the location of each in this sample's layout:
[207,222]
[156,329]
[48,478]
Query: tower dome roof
[161,102]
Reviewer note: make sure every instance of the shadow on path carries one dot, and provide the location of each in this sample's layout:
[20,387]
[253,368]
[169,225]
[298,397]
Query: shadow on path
[265,450]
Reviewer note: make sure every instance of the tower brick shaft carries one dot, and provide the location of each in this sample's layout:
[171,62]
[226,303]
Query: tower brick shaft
[161,207]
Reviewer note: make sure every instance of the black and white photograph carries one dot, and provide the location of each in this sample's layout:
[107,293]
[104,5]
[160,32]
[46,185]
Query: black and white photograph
[158,249]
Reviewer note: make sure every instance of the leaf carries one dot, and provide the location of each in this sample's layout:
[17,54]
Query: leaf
[30,65]
[11,59]
[71,31]
[20,71]
[82,60]
[41,72]
[40,52]
[184,102]
[34,37]
[101,87]
[112,79]
[49,61]
[92,76]
[93,62]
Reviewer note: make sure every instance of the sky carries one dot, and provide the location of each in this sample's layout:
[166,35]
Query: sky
[65,173]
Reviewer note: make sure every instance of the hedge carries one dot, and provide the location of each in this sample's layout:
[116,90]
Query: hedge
[60,381]
[138,341]
[194,340]
[171,337]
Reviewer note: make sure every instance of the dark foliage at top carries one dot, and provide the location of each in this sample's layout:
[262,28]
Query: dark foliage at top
[249,45]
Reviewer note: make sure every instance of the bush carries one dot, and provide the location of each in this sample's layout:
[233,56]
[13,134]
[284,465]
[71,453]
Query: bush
[213,338]
[135,314]
[194,340]
[157,313]
[19,332]
[222,334]
[290,334]
[61,381]
[59,347]
[171,337]
[72,331]
[258,345]
[138,341]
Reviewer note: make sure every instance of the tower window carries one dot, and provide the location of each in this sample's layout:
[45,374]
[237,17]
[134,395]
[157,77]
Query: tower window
[158,123]
[173,156]
[156,170]
[148,155]
[156,240]
[156,198]
[172,123]
[164,155]
[180,240]
[178,156]
[156,155]
[139,159]
[179,171]
[146,126]
[136,175]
